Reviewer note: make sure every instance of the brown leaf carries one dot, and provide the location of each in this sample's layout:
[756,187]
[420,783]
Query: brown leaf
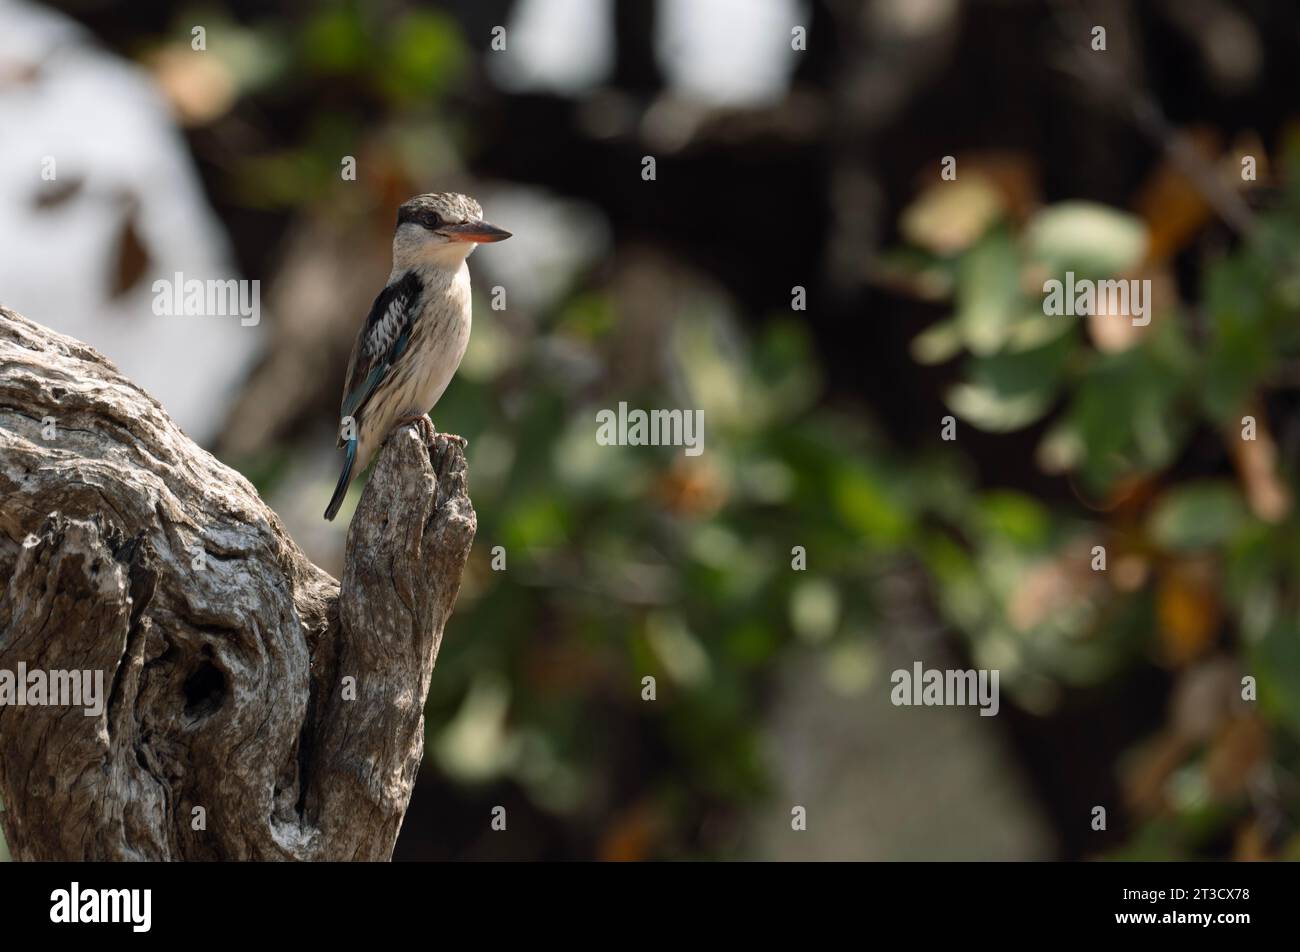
[1251,843]
[1240,746]
[132,260]
[632,834]
[1013,174]
[692,488]
[1171,203]
[1147,771]
[1187,606]
[57,193]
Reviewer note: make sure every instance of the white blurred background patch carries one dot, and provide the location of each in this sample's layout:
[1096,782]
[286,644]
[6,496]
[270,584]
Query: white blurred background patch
[80,253]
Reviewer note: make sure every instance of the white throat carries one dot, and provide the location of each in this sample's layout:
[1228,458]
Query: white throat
[413,247]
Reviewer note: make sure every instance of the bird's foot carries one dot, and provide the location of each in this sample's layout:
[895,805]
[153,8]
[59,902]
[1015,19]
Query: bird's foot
[422,423]
[428,431]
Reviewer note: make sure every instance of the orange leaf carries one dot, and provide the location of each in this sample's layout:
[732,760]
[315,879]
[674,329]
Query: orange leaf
[632,834]
[1171,204]
[1188,610]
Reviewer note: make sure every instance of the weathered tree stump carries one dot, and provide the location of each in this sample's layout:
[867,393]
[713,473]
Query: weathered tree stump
[125,548]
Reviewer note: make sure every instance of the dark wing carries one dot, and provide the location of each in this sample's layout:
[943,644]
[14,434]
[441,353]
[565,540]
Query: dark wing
[382,341]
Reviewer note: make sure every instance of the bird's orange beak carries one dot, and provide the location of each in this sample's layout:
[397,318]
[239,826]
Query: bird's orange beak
[478,231]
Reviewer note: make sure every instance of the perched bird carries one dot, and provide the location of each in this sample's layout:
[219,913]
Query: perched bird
[418,328]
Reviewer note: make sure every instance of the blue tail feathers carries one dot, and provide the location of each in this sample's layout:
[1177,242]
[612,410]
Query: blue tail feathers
[345,477]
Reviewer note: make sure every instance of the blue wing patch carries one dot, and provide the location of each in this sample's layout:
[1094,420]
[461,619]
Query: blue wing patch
[382,340]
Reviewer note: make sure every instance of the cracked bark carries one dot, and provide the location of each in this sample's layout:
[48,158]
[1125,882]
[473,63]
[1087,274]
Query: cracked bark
[127,549]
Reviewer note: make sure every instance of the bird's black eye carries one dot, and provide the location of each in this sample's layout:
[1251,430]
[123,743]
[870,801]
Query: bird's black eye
[419,216]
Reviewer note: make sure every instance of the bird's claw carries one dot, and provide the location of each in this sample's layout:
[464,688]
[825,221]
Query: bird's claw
[423,425]
[426,428]
[428,432]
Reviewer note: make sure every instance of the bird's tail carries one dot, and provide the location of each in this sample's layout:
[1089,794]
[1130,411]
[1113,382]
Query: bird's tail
[345,477]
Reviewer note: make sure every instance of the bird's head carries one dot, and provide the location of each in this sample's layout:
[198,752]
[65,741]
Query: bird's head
[441,228]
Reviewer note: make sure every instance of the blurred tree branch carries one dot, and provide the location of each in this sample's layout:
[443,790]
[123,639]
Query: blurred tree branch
[251,708]
[1115,80]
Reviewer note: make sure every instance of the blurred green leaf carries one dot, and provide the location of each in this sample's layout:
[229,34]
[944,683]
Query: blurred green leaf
[1198,515]
[426,53]
[334,40]
[1275,662]
[938,343]
[1015,516]
[1087,238]
[868,506]
[988,409]
[989,301]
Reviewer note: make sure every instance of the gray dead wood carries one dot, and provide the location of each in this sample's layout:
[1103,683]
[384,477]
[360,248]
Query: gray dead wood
[126,548]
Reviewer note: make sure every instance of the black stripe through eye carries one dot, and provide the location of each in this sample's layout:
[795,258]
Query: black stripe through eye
[424,217]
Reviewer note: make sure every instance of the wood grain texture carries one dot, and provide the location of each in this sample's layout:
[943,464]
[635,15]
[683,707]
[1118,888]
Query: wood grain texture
[126,548]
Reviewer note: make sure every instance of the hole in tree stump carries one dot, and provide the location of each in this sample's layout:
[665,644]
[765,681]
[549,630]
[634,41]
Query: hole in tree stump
[205,689]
